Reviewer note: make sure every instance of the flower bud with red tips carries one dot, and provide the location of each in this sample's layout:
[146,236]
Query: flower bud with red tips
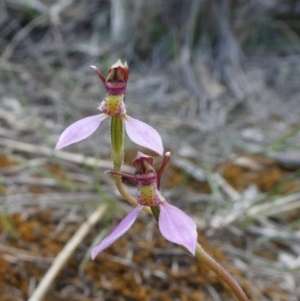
[116,80]
[121,71]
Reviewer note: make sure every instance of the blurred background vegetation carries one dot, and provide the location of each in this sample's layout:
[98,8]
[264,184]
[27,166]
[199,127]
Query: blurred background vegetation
[218,79]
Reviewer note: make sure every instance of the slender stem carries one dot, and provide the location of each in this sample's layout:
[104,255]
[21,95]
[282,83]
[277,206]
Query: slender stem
[124,194]
[202,256]
[117,146]
[117,141]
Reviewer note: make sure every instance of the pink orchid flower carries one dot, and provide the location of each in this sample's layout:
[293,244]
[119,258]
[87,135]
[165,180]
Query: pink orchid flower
[173,223]
[113,105]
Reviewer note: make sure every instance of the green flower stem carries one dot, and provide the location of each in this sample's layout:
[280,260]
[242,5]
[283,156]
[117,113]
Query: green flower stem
[117,141]
[202,256]
[117,146]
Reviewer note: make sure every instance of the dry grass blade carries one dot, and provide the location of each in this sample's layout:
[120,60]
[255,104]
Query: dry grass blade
[14,255]
[66,252]
[17,203]
[57,8]
[213,293]
[278,206]
[228,189]
[21,35]
[76,158]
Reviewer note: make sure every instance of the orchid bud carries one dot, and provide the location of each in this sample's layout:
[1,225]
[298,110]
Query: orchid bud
[116,80]
[117,77]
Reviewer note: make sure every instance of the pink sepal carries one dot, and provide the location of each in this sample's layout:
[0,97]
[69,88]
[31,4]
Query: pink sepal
[143,134]
[177,227]
[120,229]
[79,130]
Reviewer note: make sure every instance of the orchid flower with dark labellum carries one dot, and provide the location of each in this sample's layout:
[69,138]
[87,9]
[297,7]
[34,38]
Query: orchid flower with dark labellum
[173,223]
[113,106]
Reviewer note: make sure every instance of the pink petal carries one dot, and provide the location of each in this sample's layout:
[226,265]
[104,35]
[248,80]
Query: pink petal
[79,130]
[121,228]
[177,227]
[143,134]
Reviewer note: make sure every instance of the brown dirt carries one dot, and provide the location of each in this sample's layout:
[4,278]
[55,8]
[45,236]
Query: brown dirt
[139,266]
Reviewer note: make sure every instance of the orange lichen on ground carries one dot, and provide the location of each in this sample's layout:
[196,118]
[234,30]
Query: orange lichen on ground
[267,176]
[5,161]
